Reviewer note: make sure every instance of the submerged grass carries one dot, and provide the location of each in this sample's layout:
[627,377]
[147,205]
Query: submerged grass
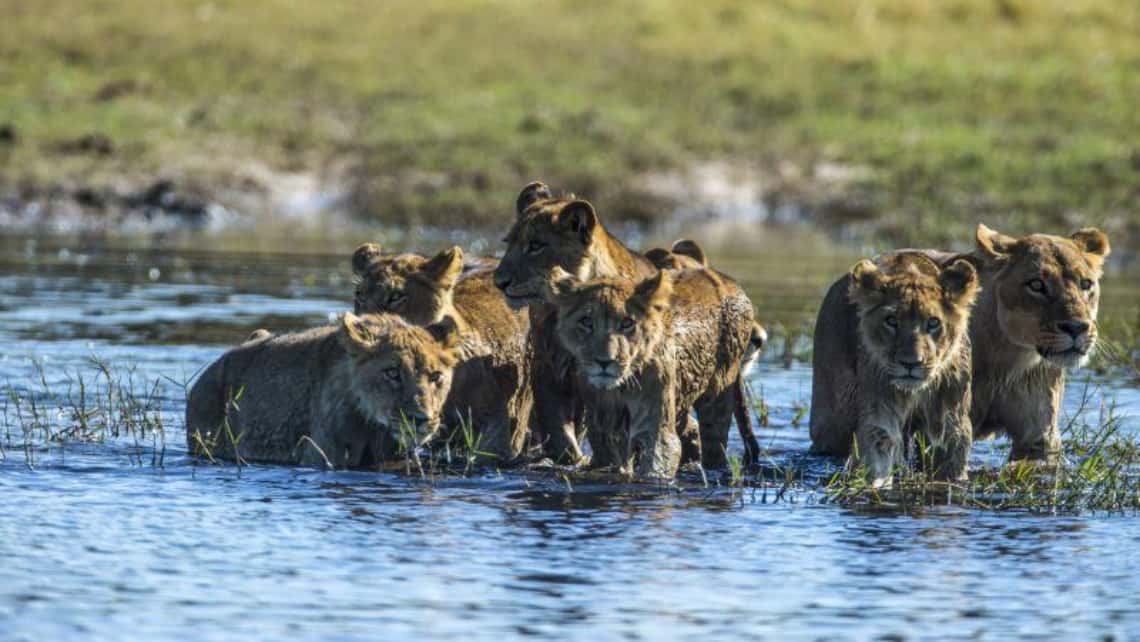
[101,404]
[929,115]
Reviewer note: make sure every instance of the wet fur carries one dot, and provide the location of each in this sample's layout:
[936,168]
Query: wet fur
[576,241]
[310,383]
[857,398]
[693,328]
[491,385]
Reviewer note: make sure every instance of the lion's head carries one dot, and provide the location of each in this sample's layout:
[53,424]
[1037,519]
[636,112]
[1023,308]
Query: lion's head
[417,288]
[611,326]
[549,232]
[400,373]
[1047,290]
[913,314]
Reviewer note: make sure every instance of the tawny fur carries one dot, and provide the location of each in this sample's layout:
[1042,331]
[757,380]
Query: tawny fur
[554,232]
[891,362]
[491,387]
[673,341]
[328,384]
[1021,353]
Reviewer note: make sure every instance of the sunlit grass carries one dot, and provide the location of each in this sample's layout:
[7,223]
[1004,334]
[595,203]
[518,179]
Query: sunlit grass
[1016,112]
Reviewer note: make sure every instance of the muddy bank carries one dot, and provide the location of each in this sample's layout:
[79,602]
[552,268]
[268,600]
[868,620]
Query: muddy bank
[839,200]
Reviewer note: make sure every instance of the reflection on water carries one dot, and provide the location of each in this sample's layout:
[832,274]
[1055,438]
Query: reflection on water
[98,542]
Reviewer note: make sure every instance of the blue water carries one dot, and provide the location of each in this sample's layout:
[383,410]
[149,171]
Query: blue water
[129,539]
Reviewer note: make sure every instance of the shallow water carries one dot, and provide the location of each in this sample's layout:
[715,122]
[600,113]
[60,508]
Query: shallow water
[130,539]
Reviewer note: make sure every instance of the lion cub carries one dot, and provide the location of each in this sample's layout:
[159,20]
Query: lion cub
[490,388]
[646,352]
[892,361]
[348,387]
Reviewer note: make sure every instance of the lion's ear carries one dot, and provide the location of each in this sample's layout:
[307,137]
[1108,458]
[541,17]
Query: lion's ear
[531,194]
[446,332]
[355,335]
[653,293]
[867,282]
[1092,241]
[689,248]
[658,256]
[959,282]
[580,218]
[363,257]
[444,268]
[560,285]
[992,243]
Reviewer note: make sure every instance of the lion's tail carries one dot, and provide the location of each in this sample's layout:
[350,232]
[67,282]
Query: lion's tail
[744,423]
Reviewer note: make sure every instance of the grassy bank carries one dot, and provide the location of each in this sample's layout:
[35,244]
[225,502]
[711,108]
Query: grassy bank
[916,116]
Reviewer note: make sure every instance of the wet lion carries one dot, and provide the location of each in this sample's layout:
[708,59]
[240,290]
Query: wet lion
[566,233]
[357,390]
[491,386]
[891,363]
[648,351]
[551,232]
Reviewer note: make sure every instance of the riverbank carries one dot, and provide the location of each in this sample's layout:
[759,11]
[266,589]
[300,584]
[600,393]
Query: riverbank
[904,121]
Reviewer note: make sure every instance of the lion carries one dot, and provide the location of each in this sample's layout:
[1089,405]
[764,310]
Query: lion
[646,351]
[565,232]
[891,363]
[358,390]
[491,389]
[1035,319]
[553,232]
[687,254]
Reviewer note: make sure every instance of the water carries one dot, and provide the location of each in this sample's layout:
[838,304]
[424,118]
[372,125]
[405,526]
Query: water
[132,540]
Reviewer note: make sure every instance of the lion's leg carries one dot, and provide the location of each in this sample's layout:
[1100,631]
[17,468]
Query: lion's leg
[690,434]
[949,431]
[553,418]
[654,441]
[715,416]
[609,437]
[1030,417]
[878,446]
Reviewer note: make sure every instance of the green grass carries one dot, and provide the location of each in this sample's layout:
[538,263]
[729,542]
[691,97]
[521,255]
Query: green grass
[1017,112]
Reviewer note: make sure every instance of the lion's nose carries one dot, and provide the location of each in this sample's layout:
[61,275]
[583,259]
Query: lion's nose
[1073,328]
[910,365]
[604,364]
[502,281]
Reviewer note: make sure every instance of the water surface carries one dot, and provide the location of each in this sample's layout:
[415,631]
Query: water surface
[130,539]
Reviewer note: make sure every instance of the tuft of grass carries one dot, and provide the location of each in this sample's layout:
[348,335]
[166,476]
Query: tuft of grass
[91,406]
[1099,471]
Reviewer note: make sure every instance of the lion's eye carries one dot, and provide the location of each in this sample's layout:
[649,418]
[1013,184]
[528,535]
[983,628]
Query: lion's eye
[933,325]
[891,321]
[586,323]
[626,324]
[1036,285]
[1086,284]
[396,298]
[435,377]
[392,373]
[534,247]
